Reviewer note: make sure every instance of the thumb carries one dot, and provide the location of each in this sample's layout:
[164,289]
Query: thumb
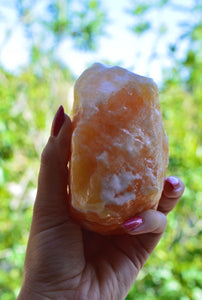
[55,250]
[51,202]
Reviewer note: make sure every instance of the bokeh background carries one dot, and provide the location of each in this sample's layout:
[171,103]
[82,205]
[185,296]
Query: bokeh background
[44,46]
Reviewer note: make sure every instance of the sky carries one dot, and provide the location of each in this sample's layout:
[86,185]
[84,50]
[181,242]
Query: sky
[119,45]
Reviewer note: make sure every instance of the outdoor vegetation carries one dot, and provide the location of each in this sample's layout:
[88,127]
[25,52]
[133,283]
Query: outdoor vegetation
[30,97]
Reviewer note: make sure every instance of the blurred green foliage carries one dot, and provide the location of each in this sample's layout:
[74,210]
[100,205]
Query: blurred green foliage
[28,102]
[174,270]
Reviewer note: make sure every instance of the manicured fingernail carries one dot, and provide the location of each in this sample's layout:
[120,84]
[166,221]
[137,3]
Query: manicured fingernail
[174,181]
[58,121]
[133,223]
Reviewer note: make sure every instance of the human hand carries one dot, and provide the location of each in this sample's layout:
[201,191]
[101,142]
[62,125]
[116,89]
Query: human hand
[63,261]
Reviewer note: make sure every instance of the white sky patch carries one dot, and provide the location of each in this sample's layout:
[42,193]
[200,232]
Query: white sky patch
[15,53]
[119,46]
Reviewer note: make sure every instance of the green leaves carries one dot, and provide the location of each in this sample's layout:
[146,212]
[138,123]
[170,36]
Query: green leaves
[88,25]
[141,9]
[141,27]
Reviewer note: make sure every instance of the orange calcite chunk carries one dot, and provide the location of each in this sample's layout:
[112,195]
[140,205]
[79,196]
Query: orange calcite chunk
[119,148]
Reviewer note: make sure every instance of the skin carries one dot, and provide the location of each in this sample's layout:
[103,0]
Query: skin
[64,261]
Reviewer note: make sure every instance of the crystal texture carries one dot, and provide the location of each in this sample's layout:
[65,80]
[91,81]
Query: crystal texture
[119,151]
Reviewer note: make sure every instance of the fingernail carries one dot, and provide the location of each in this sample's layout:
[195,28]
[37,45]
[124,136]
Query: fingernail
[174,182]
[58,121]
[133,223]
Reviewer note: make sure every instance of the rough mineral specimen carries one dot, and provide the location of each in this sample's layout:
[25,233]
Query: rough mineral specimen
[119,148]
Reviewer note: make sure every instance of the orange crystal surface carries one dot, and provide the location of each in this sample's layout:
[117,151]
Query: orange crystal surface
[119,151]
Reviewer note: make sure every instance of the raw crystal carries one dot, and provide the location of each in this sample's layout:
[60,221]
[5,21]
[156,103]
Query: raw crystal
[119,151]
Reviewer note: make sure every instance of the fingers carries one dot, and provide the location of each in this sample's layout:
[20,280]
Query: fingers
[51,199]
[57,149]
[53,171]
[144,232]
[63,140]
[150,221]
[172,192]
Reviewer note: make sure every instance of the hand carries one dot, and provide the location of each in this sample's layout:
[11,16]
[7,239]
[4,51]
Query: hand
[64,261]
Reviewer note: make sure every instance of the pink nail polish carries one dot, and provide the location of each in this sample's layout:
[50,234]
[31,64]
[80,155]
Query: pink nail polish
[174,181]
[58,121]
[133,223]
